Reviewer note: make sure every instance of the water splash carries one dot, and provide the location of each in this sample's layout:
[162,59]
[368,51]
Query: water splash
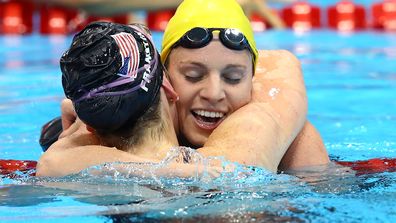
[273,92]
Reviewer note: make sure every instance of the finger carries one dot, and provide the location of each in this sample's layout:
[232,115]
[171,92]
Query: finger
[68,113]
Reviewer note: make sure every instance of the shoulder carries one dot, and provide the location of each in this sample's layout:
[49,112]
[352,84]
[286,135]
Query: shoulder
[276,58]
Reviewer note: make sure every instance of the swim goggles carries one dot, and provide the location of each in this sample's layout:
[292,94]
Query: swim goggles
[199,37]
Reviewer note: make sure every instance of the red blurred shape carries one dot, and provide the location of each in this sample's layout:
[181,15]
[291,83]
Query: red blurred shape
[259,23]
[302,16]
[122,19]
[158,20]
[384,15]
[346,16]
[80,21]
[371,166]
[16,17]
[56,20]
[10,167]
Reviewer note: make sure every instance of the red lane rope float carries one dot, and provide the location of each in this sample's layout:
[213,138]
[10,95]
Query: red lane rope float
[16,17]
[56,20]
[371,166]
[158,20]
[302,16]
[122,19]
[346,16]
[259,23]
[80,20]
[384,15]
[10,168]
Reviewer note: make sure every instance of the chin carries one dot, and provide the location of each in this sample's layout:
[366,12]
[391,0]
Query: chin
[194,142]
[199,141]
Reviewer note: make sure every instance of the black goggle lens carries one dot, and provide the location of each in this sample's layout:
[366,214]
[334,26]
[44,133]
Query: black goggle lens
[233,39]
[199,37]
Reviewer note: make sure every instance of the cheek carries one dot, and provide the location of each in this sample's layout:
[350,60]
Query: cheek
[185,99]
[186,92]
[182,107]
[241,96]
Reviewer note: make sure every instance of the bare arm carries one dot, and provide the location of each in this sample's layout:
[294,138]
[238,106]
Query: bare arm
[278,112]
[79,149]
[261,132]
[306,150]
[262,9]
[113,7]
[68,114]
[64,162]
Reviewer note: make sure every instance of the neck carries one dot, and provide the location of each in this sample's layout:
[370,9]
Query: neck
[152,135]
[157,139]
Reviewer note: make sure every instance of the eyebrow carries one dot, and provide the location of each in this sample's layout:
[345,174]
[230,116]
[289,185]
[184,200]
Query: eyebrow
[232,66]
[199,64]
[189,62]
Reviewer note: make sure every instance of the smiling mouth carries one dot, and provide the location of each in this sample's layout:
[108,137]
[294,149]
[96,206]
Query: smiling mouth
[207,119]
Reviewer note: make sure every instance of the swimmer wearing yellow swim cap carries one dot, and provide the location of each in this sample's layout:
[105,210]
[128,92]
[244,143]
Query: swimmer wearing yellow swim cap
[195,20]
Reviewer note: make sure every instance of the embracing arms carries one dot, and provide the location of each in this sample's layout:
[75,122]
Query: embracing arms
[78,149]
[272,130]
[260,132]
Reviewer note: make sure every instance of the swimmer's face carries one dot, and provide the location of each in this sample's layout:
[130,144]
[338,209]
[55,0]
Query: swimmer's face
[212,82]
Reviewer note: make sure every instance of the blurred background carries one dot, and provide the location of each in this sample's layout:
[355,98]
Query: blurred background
[64,17]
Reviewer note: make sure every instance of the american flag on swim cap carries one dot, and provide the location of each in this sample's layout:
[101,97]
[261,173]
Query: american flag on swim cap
[129,54]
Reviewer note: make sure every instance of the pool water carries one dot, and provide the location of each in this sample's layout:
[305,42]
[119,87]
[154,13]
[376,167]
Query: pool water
[351,85]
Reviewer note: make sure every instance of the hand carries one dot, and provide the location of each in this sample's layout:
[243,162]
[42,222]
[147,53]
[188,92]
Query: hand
[76,126]
[69,115]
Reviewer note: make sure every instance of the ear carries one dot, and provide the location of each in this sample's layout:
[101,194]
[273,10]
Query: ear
[169,91]
[90,129]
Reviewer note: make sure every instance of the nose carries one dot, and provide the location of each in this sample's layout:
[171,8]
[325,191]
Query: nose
[213,89]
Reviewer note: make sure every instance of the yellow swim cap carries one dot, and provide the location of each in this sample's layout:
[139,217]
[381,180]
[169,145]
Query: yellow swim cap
[206,14]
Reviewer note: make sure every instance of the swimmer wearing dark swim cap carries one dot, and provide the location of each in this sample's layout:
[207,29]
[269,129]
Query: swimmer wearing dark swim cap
[113,75]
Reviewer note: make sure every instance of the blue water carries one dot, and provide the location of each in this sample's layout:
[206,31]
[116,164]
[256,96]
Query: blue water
[351,84]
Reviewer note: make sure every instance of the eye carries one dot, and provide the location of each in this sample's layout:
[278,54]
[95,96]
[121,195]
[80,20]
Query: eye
[233,76]
[193,74]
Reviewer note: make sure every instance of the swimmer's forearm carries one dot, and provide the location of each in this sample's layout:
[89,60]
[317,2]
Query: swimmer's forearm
[71,161]
[279,82]
[306,150]
[260,132]
[156,169]
[266,12]
[119,6]
[57,163]
[68,114]
[250,140]
[281,85]
[112,7]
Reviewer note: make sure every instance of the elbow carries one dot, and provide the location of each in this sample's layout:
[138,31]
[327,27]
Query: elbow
[42,169]
[48,166]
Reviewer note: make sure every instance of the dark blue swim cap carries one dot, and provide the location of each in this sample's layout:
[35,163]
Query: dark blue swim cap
[112,73]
